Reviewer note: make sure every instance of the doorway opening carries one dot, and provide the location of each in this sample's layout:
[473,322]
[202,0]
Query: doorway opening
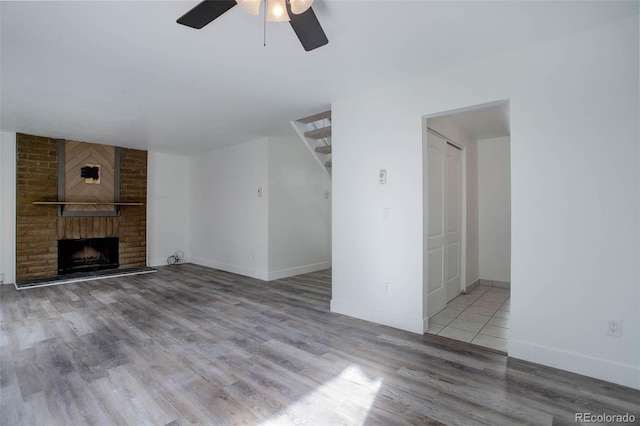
[467,223]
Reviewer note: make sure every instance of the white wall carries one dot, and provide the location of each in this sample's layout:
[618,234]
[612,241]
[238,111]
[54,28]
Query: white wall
[494,194]
[285,232]
[229,222]
[8,207]
[168,207]
[299,213]
[575,197]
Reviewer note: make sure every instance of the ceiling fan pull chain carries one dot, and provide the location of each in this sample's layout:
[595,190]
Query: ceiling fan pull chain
[265,24]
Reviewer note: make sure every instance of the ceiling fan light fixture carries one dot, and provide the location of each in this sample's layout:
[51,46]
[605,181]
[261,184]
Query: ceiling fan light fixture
[305,25]
[250,6]
[300,6]
[277,11]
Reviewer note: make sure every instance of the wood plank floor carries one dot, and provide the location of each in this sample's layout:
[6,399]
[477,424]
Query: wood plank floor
[192,345]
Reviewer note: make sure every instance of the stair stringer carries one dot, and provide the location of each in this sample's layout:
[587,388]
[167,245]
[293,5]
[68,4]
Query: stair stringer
[311,144]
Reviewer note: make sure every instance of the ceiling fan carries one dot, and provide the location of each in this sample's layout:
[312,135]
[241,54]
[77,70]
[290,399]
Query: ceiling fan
[298,12]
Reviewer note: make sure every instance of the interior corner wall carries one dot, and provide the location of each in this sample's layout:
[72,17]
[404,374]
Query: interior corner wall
[494,194]
[169,207]
[299,213]
[8,206]
[575,180]
[229,220]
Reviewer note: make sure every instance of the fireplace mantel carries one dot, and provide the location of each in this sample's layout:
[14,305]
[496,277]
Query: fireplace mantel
[83,203]
[61,205]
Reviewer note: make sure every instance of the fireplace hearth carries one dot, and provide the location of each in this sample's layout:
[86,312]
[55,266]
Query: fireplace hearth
[85,255]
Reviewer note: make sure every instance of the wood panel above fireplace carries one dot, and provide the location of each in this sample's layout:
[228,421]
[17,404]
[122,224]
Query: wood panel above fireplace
[88,173]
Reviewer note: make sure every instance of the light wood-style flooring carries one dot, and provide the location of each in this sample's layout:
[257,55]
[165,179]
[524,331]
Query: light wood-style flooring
[192,345]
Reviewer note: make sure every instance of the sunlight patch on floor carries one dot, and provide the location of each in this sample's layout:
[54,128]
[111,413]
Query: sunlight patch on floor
[352,386]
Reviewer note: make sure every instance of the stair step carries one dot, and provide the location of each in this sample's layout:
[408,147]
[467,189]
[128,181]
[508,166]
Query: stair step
[315,117]
[328,164]
[324,149]
[324,132]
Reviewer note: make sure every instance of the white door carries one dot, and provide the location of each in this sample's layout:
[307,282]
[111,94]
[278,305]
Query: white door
[436,224]
[444,225]
[453,218]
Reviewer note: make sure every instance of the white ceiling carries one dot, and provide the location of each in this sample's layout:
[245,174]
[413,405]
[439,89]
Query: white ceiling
[484,122]
[124,73]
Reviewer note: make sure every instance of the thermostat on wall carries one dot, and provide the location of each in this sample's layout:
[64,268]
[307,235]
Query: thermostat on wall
[382,176]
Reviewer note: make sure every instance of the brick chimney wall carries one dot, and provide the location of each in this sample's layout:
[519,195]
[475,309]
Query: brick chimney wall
[38,228]
[133,219]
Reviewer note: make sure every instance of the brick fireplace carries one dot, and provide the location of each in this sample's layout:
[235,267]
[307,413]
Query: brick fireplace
[39,228]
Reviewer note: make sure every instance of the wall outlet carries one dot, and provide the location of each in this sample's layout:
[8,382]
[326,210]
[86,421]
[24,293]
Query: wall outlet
[614,327]
[385,288]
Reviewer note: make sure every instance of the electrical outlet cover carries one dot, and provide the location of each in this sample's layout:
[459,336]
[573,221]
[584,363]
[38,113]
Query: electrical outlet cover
[614,327]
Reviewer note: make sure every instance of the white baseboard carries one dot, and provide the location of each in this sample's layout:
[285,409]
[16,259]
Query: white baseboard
[495,283]
[414,325]
[305,269]
[160,261]
[622,374]
[235,269]
[472,286]
[8,279]
[253,273]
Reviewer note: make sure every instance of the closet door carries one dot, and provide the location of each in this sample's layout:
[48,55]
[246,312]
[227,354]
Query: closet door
[436,223]
[444,224]
[453,219]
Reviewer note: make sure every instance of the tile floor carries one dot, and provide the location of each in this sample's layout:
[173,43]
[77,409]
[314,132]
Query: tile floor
[480,317]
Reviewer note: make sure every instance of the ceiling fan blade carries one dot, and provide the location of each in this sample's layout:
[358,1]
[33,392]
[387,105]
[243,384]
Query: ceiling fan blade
[205,12]
[308,29]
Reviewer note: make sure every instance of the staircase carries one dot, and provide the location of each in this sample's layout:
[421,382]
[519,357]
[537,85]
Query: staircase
[315,131]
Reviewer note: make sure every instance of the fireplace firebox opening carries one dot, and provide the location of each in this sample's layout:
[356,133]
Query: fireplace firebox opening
[89,254]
